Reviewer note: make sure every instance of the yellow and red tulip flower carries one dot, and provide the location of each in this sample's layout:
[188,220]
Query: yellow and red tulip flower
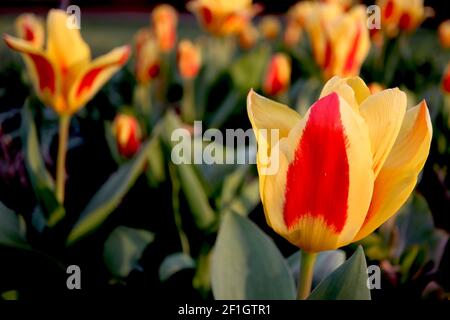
[189,57]
[248,36]
[63,74]
[340,42]
[165,20]
[444,34]
[278,76]
[128,134]
[344,168]
[30,28]
[269,27]
[404,15]
[301,12]
[223,17]
[345,4]
[148,62]
[446,80]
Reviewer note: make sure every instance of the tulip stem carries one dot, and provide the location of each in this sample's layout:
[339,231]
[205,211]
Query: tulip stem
[64,123]
[188,101]
[306,274]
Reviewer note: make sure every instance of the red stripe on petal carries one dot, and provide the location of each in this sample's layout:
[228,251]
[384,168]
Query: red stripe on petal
[350,61]
[28,33]
[389,9]
[206,15]
[88,80]
[317,182]
[327,59]
[45,72]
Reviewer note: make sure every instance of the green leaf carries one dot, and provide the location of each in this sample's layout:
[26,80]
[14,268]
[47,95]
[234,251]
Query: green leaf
[348,282]
[246,264]
[191,185]
[246,200]
[175,263]
[326,263]
[12,228]
[124,248]
[109,196]
[156,170]
[41,180]
[248,70]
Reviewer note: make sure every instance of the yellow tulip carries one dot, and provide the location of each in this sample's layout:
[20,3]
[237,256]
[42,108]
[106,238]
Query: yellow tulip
[223,17]
[444,34]
[278,76]
[404,15]
[340,41]
[343,168]
[31,29]
[165,19]
[269,27]
[148,62]
[63,74]
[189,59]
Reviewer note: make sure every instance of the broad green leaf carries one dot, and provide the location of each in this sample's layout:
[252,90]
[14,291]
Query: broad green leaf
[41,180]
[246,264]
[109,196]
[326,263]
[191,185]
[175,263]
[124,248]
[348,282]
[248,71]
[12,228]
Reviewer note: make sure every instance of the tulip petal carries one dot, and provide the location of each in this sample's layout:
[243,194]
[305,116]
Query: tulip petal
[42,71]
[65,45]
[329,178]
[353,90]
[95,75]
[398,177]
[31,29]
[383,112]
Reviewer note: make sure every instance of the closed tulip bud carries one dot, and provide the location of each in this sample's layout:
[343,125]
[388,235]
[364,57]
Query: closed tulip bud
[63,74]
[128,135]
[340,41]
[165,20]
[248,36]
[446,80]
[444,34]
[31,29]
[223,17]
[335,174]
[278,75]
[269,27]
[189,59]
[147,65]
[292,34]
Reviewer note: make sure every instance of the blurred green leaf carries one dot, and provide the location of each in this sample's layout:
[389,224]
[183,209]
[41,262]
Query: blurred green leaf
[156,169]
[246,200]
[326,263]
[248,71]
[246,264]
[175,263]
[190,183]
[41,180]
[124,248]
[109,196]
[348,282]
[12,228]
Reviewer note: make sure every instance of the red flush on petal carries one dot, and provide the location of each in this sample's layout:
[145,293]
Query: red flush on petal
[45,72]
[88,79]
[317,182]
[350,61]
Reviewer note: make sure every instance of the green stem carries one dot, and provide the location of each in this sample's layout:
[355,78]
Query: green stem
[306,274]
[188,102]
[64,123]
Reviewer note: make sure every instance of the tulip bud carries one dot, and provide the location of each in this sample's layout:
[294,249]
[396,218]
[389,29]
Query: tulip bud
[128,134]
[165,20]
[278,75]
[269,27]
[31,29]
[147,56]
[248,36]
[189,59]
[446,80]
[444,34]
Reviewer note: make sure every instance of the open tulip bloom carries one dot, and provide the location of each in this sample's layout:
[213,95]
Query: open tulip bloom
[343,168]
